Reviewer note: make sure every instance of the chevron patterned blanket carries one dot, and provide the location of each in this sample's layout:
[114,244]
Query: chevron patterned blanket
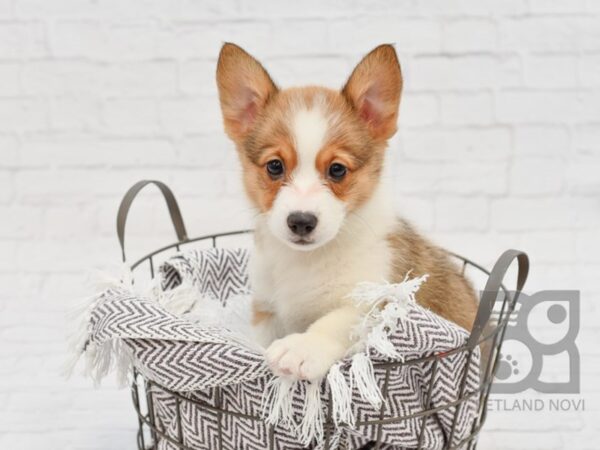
[210,365]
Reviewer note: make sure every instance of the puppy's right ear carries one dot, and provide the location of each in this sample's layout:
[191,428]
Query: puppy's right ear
[245,87]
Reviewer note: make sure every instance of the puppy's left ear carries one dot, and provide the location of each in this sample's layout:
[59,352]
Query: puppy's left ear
[374,89]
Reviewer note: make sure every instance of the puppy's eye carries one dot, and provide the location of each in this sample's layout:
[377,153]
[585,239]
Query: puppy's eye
[275,168]
[337,171]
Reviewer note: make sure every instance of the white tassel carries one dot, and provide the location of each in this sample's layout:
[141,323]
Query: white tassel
[363,377]
[179,300]
[80,316]
[90,356]
[277,401]
[101,359]
[377,293]
[312,415]
[378,339]
[388,304]
[102,362]
[77,341]
[120,276]
[124,364]
[341,397]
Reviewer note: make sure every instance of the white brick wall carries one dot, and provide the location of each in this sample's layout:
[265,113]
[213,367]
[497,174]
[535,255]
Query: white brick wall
[499,146]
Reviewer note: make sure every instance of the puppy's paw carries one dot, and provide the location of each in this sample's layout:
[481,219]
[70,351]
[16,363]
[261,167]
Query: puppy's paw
[304,356]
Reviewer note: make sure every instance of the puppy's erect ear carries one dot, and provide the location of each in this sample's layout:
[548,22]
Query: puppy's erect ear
[374,90]
[244,89]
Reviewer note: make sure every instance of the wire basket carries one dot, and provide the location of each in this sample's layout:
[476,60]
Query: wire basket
[488,334]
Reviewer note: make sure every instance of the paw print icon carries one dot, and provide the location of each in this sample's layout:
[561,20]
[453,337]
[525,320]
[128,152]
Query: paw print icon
[540,342]
[507,367]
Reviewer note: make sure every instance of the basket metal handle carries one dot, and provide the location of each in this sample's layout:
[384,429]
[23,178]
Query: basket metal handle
[492,287]
[174,211]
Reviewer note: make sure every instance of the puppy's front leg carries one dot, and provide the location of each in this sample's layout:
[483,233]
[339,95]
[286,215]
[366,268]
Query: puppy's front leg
[309,355]
[263,323]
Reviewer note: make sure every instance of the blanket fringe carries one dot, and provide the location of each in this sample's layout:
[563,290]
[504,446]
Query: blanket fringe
[106,357]
[388,303]
[79,316]
[376,293]
[277,401]
[341,397]
[179,300]
[363,377]
[99,359]
[311,426]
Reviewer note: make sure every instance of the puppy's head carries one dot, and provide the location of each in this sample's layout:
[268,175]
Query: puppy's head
[310,155]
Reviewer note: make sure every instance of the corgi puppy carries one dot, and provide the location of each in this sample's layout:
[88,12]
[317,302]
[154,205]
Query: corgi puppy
[312,160]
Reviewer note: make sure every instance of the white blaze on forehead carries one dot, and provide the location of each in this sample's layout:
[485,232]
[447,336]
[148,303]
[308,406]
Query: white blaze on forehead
[306,191]
[309,129]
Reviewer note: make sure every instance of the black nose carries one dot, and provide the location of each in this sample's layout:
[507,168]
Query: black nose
[302,223]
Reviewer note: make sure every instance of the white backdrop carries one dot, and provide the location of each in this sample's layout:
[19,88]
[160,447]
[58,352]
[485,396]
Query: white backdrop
[499,146]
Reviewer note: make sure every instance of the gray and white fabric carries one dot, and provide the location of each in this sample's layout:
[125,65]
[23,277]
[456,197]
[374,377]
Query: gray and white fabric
[206,365]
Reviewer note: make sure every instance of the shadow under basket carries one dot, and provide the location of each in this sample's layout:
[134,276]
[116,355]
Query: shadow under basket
[495,307]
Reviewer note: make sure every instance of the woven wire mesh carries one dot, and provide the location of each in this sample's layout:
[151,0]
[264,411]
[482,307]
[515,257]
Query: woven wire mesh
[151,431]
